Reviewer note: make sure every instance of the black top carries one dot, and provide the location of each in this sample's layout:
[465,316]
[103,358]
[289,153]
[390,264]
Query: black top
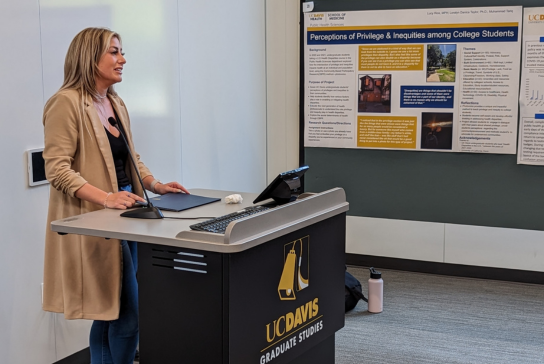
[119,152]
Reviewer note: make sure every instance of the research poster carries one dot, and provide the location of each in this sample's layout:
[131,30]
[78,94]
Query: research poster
[531,100]
[421,79]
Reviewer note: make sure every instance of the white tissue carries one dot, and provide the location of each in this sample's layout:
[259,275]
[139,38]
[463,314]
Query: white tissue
[236,198]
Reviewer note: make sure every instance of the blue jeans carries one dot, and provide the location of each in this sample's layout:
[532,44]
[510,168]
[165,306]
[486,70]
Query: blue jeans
[115,342]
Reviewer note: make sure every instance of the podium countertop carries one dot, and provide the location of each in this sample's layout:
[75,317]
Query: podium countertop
[240,235]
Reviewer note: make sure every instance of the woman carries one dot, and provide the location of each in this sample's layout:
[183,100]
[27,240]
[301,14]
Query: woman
[86,163]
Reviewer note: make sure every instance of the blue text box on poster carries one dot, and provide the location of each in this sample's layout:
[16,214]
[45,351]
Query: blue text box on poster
[433,97]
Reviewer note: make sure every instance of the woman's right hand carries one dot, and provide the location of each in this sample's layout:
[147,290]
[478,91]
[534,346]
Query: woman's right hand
[122,200]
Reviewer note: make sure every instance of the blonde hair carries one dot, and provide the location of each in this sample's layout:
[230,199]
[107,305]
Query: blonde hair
[81,63]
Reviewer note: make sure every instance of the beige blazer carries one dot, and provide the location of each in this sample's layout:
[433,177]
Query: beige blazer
[82,274]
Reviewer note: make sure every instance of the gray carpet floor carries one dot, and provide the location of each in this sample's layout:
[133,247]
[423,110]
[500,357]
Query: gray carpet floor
[440,319]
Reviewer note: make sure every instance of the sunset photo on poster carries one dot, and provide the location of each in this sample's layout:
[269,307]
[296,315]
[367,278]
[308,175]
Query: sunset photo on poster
[436,130]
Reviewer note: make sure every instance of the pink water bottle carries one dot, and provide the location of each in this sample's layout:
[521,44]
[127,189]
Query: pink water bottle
[375,291]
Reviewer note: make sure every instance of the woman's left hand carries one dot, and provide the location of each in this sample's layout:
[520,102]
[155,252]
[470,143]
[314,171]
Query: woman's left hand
[170,187]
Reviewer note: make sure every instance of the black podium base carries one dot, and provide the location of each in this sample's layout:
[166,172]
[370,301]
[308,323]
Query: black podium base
[321,353]
[203,307]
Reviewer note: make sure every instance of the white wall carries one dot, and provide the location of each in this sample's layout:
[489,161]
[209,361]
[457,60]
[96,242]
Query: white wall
[223,99]
[446,243]
[195,87]
[282,75]
[23,211]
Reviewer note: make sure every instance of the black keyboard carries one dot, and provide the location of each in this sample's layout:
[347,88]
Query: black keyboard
[219,224]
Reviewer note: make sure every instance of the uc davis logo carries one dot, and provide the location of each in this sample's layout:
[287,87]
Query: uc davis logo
[296,269]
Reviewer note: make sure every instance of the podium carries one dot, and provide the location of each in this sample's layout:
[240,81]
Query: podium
[269,290]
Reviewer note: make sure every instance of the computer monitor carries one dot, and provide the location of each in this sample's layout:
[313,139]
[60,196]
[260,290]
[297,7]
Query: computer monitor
[284,188]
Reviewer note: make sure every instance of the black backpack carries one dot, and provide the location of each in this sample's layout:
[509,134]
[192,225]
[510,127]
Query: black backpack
[354,293]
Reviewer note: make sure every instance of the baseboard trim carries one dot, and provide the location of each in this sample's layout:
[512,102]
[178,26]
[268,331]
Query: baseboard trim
[458,270]
[81,357]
